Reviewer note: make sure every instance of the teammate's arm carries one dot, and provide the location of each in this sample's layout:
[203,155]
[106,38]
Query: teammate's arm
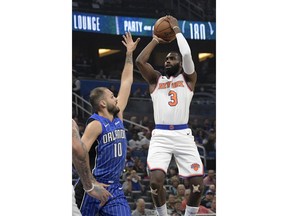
[146,69]
[79,158]
[92,131]
[127,73]
[187,61]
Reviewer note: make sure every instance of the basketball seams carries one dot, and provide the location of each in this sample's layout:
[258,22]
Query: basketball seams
[159,23]
[165,32]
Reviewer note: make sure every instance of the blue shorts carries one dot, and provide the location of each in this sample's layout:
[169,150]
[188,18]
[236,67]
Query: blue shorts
[115,206]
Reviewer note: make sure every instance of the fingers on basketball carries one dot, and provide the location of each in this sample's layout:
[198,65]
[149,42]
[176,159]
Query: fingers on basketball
[163,30]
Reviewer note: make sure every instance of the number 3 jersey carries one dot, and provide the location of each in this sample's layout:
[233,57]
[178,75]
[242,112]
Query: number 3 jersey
[110,149]
[171,100]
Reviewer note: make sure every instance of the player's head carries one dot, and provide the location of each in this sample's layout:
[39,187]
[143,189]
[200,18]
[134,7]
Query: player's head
[173,64]
[102,98]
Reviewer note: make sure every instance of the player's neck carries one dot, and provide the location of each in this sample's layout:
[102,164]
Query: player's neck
[104,113]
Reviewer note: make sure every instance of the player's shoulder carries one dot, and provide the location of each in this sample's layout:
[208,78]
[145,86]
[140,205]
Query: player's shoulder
[94,127]
[96,117]
[153,78]
[93,123]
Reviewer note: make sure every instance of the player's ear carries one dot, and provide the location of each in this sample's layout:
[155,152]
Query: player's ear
[103,103]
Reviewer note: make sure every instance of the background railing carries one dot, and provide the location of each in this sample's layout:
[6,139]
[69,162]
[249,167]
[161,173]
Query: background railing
[83,108]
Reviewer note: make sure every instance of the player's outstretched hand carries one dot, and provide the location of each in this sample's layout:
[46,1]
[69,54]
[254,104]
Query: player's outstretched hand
[129,43]
[99,192]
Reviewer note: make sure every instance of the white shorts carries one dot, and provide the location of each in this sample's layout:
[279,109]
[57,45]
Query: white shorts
[181,143]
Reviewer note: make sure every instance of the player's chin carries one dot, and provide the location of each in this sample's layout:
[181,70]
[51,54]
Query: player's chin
[169,70]
[116,110]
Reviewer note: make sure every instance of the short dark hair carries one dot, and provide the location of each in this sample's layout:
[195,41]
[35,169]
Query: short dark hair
[95,96]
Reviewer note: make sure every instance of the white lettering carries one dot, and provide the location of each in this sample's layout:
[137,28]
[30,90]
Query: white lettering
[147,28]
[95,23]
[75,22]
[98,23]
[140,26]
[202,32]
[113,135]
[109,136]
[79,22]
[86,22]
[197,32]
[89,23]
[132,26]
[105,138]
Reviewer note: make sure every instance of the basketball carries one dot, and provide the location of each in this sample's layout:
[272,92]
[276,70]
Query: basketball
[163,30]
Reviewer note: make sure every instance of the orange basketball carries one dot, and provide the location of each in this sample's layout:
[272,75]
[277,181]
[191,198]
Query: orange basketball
[163,30]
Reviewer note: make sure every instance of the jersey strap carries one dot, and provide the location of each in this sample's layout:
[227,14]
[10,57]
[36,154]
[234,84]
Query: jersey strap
[171,127]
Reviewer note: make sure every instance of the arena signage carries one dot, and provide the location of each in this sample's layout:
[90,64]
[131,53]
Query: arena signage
[118,25]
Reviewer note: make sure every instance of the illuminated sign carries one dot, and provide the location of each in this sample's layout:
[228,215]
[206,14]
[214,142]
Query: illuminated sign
[118,25]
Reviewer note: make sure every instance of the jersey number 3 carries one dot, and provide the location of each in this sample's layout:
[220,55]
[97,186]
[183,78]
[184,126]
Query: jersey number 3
[173,98]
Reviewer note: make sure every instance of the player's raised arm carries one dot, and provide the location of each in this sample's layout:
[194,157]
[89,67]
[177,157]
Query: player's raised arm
[146,69]
[187,61]
[127,73]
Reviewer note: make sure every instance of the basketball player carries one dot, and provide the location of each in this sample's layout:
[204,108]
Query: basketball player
[171,95]
[81,163]
[106,128]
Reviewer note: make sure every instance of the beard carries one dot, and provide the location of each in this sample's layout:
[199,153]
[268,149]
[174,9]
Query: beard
[172,71]
[113,109]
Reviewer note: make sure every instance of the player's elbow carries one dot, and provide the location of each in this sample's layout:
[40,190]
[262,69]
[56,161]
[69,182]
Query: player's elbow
[76,150]
[186,54]
[140,62]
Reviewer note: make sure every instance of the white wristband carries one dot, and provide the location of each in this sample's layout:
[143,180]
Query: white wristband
[156,40]
[176,27]
[87,191]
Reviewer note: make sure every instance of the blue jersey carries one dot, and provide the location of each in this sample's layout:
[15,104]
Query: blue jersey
[111,150]
[110,158]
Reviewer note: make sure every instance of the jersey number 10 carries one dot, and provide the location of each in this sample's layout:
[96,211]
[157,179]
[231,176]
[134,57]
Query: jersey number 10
[118,150]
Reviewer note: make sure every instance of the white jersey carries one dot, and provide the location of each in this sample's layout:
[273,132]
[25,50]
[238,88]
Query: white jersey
[171,100]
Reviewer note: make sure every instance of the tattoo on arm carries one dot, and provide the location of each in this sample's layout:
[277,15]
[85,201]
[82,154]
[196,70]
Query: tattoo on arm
[75,135]
[81,160]
[129,59]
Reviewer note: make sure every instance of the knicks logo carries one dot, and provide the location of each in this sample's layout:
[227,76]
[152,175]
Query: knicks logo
[195,166]
[173,85]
